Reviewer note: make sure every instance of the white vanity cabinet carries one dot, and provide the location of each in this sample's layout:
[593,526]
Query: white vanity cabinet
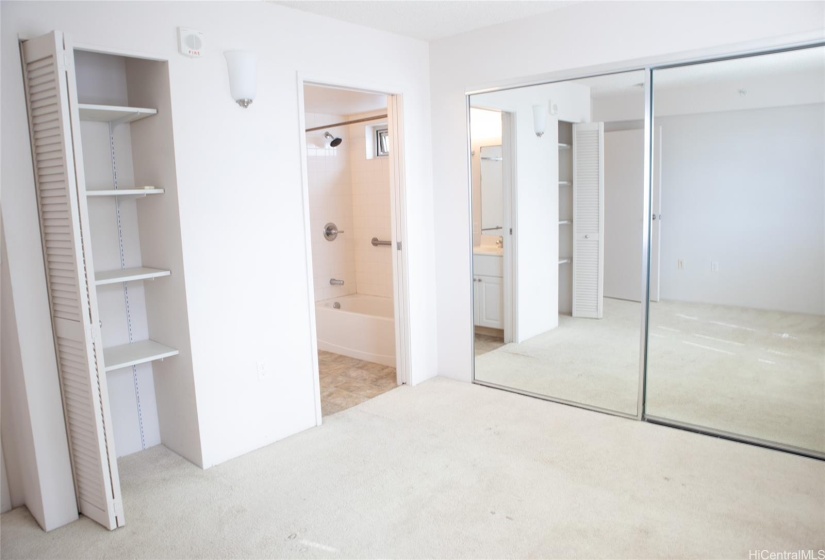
[488,300]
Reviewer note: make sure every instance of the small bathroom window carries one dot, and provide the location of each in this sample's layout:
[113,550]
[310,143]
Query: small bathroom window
[382,142]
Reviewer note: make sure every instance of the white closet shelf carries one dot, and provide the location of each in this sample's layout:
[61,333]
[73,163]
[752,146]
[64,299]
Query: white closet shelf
[110,113]
[136,353]
[128,274]
[564,146]
[565,260]
[125,192]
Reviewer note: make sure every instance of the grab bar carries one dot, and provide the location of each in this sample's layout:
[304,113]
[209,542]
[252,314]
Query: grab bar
[376,242]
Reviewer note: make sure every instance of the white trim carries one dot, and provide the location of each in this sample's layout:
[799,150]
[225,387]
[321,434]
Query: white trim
[646,224]
[85,47]
[733,50]
[508,152]
[313,343]
[398,206]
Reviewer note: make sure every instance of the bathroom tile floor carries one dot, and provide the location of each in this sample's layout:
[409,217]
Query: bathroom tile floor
[346,382]
[487,343]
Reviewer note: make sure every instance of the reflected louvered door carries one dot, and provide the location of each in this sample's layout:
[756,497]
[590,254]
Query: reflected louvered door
[588,220]
[55,138]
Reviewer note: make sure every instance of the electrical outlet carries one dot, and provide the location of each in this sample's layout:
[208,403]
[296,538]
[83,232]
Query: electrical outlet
[714,266]
[680,264]
[260,367]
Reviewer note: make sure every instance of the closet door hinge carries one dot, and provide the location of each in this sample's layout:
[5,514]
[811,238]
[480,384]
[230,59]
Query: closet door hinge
[398,245]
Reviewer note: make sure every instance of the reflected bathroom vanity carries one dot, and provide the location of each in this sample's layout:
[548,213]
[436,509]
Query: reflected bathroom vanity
[488,296]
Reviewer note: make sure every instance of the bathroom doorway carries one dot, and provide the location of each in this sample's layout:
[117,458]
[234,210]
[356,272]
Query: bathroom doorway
[352,196]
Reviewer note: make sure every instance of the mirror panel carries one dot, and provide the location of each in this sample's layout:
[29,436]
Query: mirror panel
[557,303]
[737,315]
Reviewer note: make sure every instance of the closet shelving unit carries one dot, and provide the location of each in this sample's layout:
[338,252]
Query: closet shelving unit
[124,192]
[79,102]
[141,351]
[112,113]
[129,275]
[565,151]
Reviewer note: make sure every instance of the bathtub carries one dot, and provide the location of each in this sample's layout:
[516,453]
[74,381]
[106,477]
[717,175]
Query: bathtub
[363,328]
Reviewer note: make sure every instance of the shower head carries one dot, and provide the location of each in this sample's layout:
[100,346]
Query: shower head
[333,141]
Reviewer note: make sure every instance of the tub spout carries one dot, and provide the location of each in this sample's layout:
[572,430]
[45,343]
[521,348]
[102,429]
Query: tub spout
[335,282]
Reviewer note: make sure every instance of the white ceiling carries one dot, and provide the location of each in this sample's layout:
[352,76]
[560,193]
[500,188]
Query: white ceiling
[427,20]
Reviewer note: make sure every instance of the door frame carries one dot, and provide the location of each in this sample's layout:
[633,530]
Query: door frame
[398,211]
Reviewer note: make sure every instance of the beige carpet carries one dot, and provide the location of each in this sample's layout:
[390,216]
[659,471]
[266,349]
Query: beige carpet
[743,371]
[592,361]
[453,470]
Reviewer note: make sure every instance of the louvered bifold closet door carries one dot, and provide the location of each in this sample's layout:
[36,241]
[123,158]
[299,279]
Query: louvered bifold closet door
[588,219]
[50,92]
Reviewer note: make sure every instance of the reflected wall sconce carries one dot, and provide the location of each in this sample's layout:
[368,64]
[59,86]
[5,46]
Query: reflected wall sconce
[242,76]
[539,119]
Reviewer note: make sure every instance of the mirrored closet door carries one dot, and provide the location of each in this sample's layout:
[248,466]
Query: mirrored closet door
[737,341]
[557,206]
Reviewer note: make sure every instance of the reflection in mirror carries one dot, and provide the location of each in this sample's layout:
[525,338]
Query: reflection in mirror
[491,199]
[737,340]
[558,290]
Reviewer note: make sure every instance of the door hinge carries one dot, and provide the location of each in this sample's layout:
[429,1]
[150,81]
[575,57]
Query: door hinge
[398,245]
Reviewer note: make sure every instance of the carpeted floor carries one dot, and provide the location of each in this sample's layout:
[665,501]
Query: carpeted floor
[743,371]
[453,470]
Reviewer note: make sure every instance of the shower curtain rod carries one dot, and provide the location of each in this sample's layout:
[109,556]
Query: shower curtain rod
[365,119]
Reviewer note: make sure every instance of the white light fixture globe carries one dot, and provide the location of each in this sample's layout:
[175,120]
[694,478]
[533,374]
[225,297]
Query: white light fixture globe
[539,119]
[242,76]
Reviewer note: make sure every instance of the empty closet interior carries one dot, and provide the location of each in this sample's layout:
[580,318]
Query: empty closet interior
[128,163]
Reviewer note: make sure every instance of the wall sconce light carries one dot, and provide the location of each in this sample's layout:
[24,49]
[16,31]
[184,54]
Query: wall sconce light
[539,119]
[242,76]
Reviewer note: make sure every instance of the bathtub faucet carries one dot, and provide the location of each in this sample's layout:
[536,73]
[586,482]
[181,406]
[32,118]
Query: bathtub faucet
[335,282]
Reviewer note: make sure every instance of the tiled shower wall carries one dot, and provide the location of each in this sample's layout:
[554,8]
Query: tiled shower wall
[330,200]
[371,212]
[353,191]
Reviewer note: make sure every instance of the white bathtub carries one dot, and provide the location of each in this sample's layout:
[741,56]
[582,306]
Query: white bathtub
[363,328]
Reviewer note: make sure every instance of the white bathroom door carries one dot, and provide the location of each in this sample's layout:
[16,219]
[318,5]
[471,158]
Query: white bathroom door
[588,220]
[51,99]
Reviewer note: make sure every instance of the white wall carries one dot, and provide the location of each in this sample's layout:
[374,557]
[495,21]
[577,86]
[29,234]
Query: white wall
[582,35]
[240,199]
[623,213]
[746,190]
[5,497]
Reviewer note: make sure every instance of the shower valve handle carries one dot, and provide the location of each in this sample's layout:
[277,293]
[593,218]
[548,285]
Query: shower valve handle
[331,231]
